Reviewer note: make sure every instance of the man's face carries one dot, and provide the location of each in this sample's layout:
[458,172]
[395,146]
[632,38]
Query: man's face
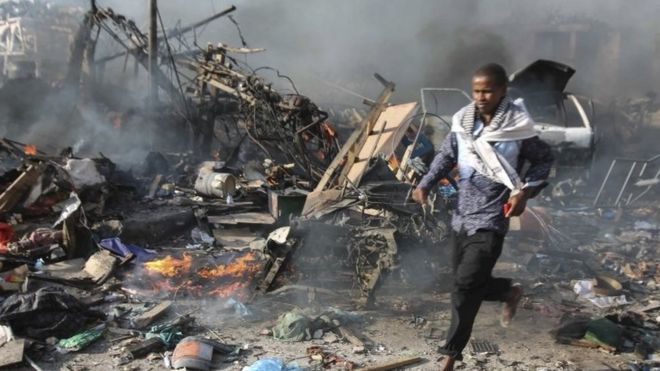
[487,94]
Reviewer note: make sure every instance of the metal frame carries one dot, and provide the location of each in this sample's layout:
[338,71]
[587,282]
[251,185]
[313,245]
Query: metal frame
[634,163]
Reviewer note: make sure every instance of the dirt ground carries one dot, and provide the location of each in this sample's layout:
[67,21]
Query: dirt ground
[402,326]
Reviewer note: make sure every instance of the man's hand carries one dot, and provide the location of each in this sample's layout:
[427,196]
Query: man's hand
[420,196]
[517,203]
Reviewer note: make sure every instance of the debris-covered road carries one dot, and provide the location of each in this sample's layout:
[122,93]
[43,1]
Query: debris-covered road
[230,222]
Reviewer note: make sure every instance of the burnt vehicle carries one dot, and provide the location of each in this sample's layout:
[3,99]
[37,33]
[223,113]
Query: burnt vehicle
[563,119]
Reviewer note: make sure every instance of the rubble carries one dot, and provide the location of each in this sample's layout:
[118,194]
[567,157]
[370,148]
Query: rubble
[133,264]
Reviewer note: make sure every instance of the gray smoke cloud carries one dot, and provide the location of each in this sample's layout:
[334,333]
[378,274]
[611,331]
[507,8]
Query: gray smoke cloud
[613,44]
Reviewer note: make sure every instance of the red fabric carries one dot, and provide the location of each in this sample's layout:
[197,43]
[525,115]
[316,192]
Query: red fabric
[6,236]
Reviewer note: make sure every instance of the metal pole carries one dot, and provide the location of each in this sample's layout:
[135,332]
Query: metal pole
[602,186]
[625,184]
[153,53]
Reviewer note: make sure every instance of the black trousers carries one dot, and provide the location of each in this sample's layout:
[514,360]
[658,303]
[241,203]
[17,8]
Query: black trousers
[473,259]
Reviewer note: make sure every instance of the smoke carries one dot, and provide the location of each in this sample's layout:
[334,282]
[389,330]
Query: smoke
[611,43]
[614,46]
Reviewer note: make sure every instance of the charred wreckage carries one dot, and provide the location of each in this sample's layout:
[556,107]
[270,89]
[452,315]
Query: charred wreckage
[270,203]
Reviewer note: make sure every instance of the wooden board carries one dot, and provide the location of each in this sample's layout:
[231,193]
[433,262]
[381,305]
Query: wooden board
[235,236]
[11,352]
[393,365]
[22,185]
[146,318]
[394,122]
[242,218]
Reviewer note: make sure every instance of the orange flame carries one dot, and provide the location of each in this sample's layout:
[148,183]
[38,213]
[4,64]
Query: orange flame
[30,150]
[169,266]
[225,280]
[239,268]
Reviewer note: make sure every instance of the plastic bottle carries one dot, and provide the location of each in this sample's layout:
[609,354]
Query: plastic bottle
[39,264]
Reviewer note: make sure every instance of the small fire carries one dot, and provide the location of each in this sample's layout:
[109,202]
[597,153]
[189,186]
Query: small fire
[169,266]
[239,268]
[30,150]
[229,279]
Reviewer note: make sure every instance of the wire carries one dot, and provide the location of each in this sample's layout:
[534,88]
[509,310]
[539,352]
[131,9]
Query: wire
[240,34]
[279,75]
[176,72]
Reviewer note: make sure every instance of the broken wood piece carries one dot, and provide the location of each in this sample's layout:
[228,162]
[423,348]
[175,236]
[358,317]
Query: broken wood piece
[11,352]
[394,364]
[143,348]
[287,288]
[653,305]
[586,344]
[242,218]
[22,185]
[234,236]
[153,188]
[344,159]
[100,266]
[272,273]
[149,316]
[392,125]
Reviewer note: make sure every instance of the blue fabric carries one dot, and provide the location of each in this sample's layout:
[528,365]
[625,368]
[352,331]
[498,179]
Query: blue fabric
[116,246]
[422,148]
[272,364]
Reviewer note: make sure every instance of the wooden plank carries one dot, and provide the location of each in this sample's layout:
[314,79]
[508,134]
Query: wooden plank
[242,218]
[143,348]
[13,194]
[394,364]
[234,236]
[370,123]
[394,122]
[146,318]
[356,140]
[11,352]
[338,160]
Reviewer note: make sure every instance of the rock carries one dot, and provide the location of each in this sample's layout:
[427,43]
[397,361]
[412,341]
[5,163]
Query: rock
[359,349]
[330,338]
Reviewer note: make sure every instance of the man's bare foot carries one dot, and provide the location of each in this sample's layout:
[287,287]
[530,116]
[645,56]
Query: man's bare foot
[510,305]
[447,363]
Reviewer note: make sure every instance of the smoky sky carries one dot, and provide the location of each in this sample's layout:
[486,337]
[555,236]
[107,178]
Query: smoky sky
[613,44]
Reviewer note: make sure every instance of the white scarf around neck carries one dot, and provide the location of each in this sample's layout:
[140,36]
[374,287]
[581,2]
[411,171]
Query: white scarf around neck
[510,122]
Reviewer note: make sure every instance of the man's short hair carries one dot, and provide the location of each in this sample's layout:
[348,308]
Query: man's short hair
[495,72]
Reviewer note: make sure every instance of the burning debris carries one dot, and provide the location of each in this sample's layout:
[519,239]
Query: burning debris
[265,212]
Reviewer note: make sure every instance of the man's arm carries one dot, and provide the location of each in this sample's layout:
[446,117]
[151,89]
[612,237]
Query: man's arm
[442,164]
[539,155]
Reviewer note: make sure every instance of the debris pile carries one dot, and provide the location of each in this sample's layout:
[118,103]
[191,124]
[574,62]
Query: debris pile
[286,223]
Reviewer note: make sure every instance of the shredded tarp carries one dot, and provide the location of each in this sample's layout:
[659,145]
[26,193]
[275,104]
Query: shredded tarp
[80,341]
[46,312]
[272,364]
[292,326]
[116,246]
